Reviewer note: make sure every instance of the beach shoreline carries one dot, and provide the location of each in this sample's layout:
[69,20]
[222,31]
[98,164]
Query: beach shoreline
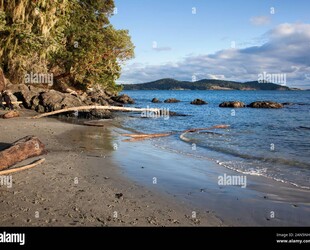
[92,177]
[77,186]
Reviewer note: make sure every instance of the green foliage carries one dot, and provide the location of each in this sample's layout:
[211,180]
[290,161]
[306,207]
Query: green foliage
[73,39]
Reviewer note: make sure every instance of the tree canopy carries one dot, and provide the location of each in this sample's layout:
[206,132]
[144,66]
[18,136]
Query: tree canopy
[71,39]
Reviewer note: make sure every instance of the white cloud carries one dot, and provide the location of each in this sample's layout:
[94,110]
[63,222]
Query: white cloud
[260,20]
[160,49]
[286,51]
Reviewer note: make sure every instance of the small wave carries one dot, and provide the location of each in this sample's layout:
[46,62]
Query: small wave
[258,172]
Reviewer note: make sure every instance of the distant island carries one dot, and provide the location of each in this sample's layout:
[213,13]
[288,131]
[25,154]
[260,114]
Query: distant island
[206,84]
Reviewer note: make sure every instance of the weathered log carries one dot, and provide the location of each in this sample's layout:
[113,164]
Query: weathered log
[20,150]
[14,170]
[94,107]
[146,135]
[141,137]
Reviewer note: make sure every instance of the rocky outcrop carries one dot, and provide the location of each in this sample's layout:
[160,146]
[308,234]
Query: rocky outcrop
[46,100]
[155,100]
[266,105]
[199,102]
[232,104]
[171,100]
[124,99]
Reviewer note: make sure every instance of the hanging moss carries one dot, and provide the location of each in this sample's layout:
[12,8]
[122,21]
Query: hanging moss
[67,38]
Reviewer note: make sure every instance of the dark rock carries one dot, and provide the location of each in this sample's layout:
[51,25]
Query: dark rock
[198,102]
[287,103]
[171,100]
[54,100]
[124,99]
[265,104]
[232,104]
[96,114]
[24,94]
[2,81]
[118,195]
[155,100]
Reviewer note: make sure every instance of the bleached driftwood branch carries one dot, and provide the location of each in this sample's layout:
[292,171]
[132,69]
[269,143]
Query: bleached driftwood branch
[73,109]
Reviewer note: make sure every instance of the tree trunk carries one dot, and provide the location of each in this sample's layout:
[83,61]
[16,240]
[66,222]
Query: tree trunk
[20,150]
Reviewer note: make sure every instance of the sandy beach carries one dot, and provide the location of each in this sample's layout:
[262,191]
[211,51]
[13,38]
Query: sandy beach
[79,186]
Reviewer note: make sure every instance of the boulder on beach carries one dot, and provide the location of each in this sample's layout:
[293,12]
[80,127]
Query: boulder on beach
[199,102]
[266,105]
[232,104]
[171,100]
[11,114]
[155,100]
[124,99]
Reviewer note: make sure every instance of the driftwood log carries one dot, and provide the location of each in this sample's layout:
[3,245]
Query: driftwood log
[14,170]
[73,109]
[141,137]
[20,150]
[183,138]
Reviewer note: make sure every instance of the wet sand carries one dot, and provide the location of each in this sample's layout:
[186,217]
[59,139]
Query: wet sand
[262,202]
[79,185]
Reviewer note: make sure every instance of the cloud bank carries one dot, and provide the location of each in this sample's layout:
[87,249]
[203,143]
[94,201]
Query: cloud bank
[285,52]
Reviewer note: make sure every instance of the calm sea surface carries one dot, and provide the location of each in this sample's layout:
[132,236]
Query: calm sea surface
[274,143]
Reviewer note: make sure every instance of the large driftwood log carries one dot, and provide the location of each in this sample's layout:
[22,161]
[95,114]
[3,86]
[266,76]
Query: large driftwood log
[20,150]
[95,107]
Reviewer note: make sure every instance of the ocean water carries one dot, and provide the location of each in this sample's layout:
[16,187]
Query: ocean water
[272,143]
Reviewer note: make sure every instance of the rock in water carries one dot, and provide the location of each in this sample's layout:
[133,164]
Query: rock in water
[266,105]
[155,100]
[171,100]
[232,104]
[198,102]
[11,114]
[124,99]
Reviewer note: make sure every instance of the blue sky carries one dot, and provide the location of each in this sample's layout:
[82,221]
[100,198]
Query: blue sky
[172,41]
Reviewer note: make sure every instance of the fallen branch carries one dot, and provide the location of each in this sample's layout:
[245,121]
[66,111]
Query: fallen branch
[20,150]
[12,103]
[183,138]
[140,137]
[94,107]
[146,135]
[14,170]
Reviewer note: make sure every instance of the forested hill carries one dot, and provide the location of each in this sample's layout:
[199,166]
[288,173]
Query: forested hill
[206,84]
